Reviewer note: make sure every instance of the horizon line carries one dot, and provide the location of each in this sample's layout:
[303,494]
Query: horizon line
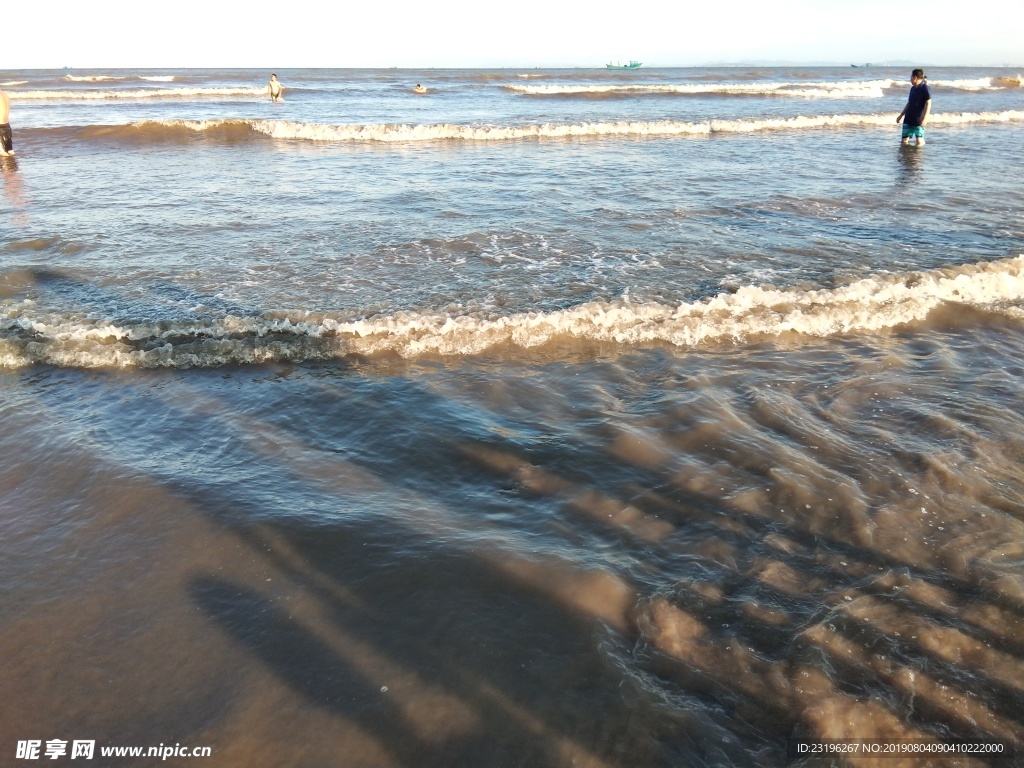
[718,64]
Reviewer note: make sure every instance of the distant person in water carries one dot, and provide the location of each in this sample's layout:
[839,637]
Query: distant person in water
[419,89]
[275,89]
[915,114]
[6,138]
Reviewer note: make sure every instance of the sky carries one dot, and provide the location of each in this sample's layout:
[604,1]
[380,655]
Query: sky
[494,33]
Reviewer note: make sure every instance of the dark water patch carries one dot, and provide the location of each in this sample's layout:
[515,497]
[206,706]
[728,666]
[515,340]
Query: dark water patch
[144,133]
[56,244]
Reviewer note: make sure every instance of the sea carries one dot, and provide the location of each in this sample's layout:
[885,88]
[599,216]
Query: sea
[553,417]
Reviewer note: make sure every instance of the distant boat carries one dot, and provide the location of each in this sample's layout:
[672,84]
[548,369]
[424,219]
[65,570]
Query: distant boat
[859,66]
[631,65]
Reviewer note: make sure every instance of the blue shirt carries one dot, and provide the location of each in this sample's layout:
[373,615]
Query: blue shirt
[916,104]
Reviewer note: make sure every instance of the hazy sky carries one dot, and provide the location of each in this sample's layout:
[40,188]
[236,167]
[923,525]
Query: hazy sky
[518,33]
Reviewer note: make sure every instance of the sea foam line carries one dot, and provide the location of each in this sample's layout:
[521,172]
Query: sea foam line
[101,78]
[872,304]
[977,84]
[835,90]
[282,129]
[92,78]
[239,129]
[137,93]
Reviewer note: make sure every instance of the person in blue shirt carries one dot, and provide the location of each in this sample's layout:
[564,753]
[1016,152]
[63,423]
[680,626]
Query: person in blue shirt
[915,114]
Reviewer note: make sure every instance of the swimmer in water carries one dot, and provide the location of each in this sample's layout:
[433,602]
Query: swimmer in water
[275,89]
[419,89]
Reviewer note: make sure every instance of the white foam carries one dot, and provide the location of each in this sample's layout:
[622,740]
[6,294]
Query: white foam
[281,129]
[843,89]
[138,93]
[284,129]
[872,304]
[977,84]
[192,125]
[15,82]
[965,118]
[318,132]
[869,89]
[157,78]
[90,78]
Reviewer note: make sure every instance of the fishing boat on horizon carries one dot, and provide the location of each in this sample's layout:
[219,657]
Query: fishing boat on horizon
[631,65]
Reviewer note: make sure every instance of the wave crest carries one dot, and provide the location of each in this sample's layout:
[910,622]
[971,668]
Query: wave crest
[855,89]
[871,304]
[281,129]
[136,93]
[829,90]
[91,78]
[237,130]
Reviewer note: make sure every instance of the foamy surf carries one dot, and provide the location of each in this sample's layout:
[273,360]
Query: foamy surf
[137,93]
[102,78]
[856,89]
[810,90]
[91,78]
[291,130]
[236,130]
[872,304]
[976,84]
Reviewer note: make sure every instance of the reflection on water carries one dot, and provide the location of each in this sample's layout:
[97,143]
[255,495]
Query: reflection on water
[14,192]
[909,159]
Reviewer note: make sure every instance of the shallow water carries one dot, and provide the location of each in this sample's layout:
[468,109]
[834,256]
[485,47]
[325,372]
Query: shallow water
[623,448]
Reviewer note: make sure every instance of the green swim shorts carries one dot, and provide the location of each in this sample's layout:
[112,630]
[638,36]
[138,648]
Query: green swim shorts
[913,130]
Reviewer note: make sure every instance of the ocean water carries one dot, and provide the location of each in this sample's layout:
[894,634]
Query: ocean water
[554,417]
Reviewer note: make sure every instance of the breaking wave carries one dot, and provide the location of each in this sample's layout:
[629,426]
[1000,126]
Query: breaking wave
[833,90]
[1008,82]
[871,304]
[402,133]
[239,129]
[92,78]
[102,78]
[977,84]
[137,93]
[858,89]
[236,130]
